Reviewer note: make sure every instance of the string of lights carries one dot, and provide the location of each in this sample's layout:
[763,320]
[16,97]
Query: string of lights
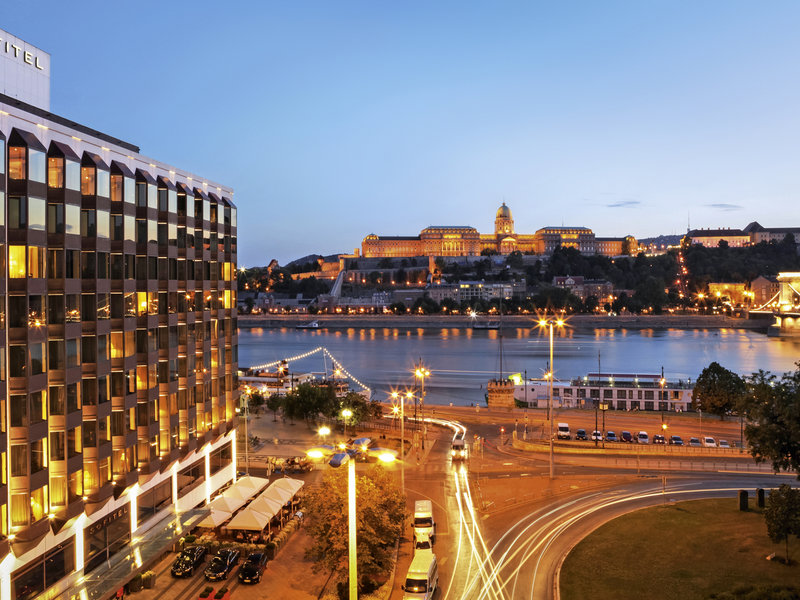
[326,352]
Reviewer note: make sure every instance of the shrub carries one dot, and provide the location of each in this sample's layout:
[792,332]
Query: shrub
[206,592]
[221,593]
[189,539]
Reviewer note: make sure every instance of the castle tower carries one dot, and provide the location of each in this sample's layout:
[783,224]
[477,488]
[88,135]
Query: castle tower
[503,222]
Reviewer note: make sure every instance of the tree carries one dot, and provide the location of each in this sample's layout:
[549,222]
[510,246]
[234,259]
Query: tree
[380,516]
[274,403]
[773,407]
[718,390]
[782,515]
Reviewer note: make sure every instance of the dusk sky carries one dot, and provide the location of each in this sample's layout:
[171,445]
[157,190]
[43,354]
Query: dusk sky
[335,119]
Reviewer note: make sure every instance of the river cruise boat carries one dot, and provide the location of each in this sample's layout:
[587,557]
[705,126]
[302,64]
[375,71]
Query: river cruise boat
[618,391]
[309,325]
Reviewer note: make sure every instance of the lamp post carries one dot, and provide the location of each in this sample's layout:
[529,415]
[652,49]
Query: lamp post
[396,396]
[346,414]
[421,372]
[551,323]
[351,528]
[245,409]
[662,400]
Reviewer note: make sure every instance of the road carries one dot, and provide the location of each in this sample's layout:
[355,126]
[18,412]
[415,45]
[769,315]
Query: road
[516,552]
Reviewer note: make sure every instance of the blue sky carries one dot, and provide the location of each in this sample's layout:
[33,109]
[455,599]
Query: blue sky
[335,119]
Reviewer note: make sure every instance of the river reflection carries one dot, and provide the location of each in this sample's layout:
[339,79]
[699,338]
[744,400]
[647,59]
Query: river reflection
[462,360]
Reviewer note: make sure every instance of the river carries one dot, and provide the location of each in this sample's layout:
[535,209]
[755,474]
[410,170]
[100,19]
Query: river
[461,361]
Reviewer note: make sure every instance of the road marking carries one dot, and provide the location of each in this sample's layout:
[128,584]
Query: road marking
[524,474]
[508,464]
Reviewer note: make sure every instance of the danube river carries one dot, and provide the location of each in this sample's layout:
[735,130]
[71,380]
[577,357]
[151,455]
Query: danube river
[461,361]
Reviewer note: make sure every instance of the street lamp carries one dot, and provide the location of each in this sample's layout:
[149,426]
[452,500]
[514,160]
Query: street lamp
[324,432]
[245,409]
[396,397]
[551,323]
[421,372]
[346,414]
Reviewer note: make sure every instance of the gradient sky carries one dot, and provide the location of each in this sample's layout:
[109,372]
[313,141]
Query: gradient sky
[336,119]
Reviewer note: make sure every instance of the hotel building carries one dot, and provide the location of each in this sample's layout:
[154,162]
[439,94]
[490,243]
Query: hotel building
[460,240]
[118,347]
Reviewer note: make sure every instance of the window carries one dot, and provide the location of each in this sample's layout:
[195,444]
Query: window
[88,223]
[38,459]
[57,405]
[37,358]
[38,407]
[55,172]
[19,460]
[116,188]
[37,168]
[17,262]
[73,398]
[55,218]
[19,410]
[17,212]
[20,511]
[103,184]
[88,181]
[17,168]
[74,446]
[39,503]
[103,224]
[73,219]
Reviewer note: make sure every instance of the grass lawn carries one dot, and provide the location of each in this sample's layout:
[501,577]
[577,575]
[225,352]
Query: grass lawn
[684,551]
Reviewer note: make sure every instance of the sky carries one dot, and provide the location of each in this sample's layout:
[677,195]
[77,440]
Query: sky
[335,119]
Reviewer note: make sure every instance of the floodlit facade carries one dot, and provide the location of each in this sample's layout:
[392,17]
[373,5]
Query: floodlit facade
[118,343]
[460,240]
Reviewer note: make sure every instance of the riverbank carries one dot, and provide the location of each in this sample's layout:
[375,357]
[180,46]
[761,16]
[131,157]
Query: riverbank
[580,322]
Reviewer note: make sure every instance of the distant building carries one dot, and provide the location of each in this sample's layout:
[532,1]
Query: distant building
[583,288]
[759,233]
[764,289]
[710,238]
[466,291]
[461,240]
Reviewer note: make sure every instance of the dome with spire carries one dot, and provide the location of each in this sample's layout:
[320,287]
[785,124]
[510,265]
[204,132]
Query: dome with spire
[503,212]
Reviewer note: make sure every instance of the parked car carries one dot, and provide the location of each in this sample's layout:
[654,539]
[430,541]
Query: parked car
[695,443]
[339,459]
[253,567]
[659,439]
[724,444]
[188,560]
[611,436]
[709,442]
[626,436]
[581,435]
[642,438]
[676,440]
[597,436]
[221,565]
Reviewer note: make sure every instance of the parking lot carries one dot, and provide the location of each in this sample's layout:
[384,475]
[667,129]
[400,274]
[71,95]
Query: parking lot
[290,575]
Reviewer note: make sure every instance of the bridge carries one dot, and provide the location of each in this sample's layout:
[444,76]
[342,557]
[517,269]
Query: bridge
[784,306]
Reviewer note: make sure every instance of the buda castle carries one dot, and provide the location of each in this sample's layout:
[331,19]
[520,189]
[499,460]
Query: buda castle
[460,240]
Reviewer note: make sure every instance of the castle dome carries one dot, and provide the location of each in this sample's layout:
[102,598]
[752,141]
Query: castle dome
[503,212]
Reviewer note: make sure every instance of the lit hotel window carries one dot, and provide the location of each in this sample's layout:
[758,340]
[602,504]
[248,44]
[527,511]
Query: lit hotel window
[16,162]
[55,172]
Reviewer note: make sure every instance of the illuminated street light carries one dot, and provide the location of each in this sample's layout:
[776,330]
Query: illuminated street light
[551,323]
[351,527]
[421,372]
[346,414]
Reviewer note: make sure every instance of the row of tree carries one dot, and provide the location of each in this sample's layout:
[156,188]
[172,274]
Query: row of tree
[770,404]
[307,402]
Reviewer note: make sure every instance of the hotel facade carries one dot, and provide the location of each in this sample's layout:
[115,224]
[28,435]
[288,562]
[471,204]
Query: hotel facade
[118,347]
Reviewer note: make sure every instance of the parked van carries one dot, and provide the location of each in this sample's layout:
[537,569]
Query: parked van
[422,542]
[423,518]
[563,431]
[422,578]
[458,450]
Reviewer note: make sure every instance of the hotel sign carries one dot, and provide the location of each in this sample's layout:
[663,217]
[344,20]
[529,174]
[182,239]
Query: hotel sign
[20,52]
[24,71]
[101,524]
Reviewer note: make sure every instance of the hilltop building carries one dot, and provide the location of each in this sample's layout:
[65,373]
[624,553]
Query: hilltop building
[118,346]
[461,240]
[753,234]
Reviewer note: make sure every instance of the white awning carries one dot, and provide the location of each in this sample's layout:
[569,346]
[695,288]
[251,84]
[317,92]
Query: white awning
[214,519]
[250,520]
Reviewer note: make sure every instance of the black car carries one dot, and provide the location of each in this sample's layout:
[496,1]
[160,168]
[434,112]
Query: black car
[581,435]
[675,440]
[626,437]
[221,565]
[253,567]
[659,439]
[188,560]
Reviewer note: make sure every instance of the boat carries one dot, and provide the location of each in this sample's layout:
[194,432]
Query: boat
[309,325]
[617,391]
[487,325]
